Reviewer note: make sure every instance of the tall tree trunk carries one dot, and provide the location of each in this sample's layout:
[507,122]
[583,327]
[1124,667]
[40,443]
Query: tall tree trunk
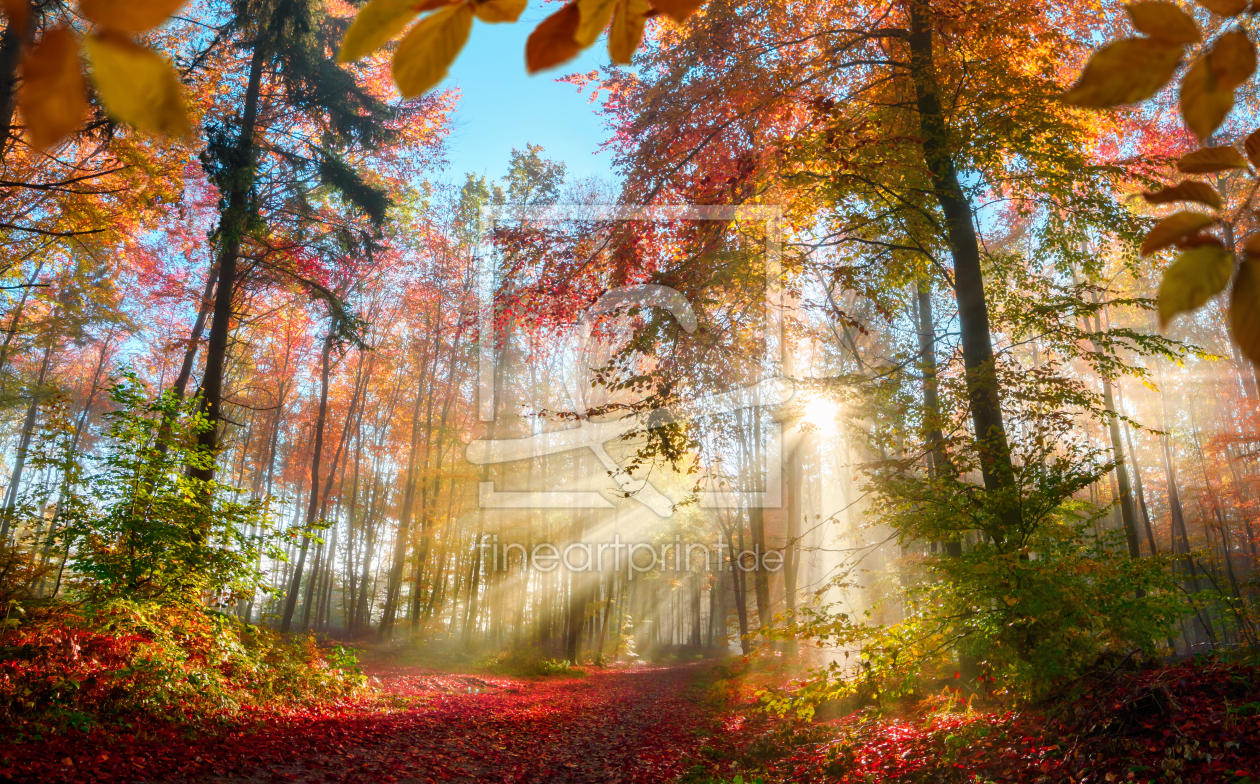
[983,393]
[12,45]
[24,444]
[180,387]
[312,507]
[232,226]
[410,479]
[1127,513]
[11,332]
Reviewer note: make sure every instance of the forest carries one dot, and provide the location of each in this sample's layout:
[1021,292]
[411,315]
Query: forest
[890,415]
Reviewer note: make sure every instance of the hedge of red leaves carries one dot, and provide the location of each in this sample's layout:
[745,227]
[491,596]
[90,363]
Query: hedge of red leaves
[76,667]
[1194,722]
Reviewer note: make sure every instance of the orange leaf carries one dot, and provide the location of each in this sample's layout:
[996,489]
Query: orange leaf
[1207,160]
[1164,22]
[499,10]
[1225,7]
[1252,147]
[1187,190]
[53,99]
[1125,72]
[129,16]
[1244,311]
[1173,228]
[552,42]
[1204,104]
[678,10]
[18,11]
[1233,59]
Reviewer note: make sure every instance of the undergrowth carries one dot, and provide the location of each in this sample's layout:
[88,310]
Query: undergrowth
[67,666]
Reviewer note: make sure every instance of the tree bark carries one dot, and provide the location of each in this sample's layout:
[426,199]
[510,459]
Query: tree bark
[312,507]
[983,391]
[232,226]
[12,45]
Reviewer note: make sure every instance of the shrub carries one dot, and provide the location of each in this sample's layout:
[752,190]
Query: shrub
[529,662]
[123,661]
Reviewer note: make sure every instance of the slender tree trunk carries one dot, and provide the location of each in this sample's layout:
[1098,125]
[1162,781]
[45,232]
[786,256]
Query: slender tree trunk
[983,392]
[180,387]
[24,444]
[232,226]
[394,586]
[13,44]
[11,332]
[312,507]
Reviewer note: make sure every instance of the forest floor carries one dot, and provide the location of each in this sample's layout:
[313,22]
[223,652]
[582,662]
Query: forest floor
[637,724]
[1191,722]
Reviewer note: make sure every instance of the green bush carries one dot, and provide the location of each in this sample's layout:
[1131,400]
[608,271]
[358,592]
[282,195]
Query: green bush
[529,662]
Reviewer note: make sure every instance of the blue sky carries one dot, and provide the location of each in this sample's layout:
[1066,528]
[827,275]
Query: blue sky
[501,107]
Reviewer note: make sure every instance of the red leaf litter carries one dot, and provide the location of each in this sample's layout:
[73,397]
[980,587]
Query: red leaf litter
[1190,723]
[629,725]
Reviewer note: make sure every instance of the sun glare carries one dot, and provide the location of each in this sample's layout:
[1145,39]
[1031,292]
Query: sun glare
[821,412]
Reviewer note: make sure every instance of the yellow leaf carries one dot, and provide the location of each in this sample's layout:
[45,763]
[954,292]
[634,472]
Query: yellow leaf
[129,16]
[1244,311]
[1124,72]
[426,53]
[1197,275]
[1225,7]
[137,85]
[678,10]
[595,16]
[1187,190]
[499,10]
[1164,22]
[53,99]
[1207,160]
[18,11]
[1011,601]
[552,42]
[374,26]
[1173,229]
[1204,104]
[627,30]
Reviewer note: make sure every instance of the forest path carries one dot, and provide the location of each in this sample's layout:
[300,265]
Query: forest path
[626,725]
